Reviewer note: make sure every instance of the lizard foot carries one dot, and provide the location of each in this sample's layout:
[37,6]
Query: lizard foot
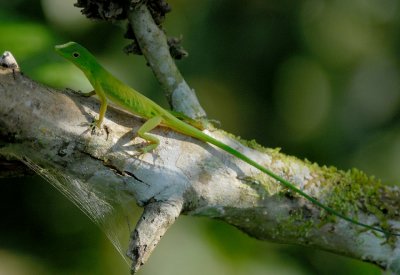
[94,127]
[144,149]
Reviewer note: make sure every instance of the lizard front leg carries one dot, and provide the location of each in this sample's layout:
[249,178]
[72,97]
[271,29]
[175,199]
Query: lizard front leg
[102,111]
[143,133]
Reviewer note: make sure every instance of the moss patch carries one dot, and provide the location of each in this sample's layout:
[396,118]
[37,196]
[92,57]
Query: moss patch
[298,222]
[347,192]
[352,191]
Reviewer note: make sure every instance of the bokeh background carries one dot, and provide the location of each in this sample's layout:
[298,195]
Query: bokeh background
[320,79]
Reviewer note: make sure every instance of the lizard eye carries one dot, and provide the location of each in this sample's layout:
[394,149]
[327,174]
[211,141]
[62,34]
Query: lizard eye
[75,54]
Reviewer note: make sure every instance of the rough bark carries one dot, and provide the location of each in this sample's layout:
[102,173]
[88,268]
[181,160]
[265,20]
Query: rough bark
[47,130]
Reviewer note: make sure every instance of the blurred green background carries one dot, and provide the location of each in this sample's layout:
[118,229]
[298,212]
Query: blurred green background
[320,79]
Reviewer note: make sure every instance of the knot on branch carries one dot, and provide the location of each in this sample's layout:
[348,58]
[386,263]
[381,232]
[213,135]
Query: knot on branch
[117,10]
[104,9]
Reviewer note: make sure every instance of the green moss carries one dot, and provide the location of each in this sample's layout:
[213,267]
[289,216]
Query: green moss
[262,184]
[353,191]
[347,192]
[297,222]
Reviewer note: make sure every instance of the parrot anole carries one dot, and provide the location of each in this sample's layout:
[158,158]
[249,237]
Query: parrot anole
[106,86]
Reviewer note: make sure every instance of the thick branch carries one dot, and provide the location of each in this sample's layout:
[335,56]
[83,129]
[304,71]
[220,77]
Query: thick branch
[46,127]
[153,44]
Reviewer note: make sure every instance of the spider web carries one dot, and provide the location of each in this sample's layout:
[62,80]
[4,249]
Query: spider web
[112,214]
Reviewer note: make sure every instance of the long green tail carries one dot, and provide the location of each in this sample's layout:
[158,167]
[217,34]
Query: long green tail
[284,182]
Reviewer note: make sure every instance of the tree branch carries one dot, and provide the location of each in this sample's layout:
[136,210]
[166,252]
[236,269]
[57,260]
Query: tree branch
[153,43]
[44,128]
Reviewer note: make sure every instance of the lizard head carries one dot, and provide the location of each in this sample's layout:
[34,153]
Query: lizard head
[77,54]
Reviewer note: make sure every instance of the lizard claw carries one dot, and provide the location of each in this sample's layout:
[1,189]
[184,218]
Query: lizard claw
[94,127]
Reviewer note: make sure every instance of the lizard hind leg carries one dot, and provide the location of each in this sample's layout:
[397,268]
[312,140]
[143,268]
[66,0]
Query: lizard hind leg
[143,133]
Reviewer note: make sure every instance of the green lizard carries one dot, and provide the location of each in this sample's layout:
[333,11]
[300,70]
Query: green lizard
[106,86]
